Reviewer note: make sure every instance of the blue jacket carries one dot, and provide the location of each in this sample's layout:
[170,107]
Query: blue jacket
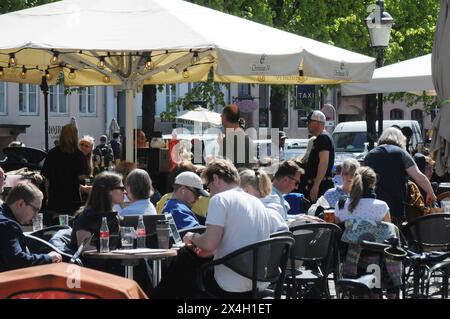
[13,249]
[182,214]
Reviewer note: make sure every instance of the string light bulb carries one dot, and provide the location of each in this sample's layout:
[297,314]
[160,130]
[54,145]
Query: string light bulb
[23,74]
[195,58]
[106,79]
[12,60]
[72,74]
[185,73]
[48,75]
[149,64]
[54,59]
[2,73]
[101,62]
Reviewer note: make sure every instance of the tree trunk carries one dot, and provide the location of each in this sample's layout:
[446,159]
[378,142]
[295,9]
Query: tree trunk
[276,106]
[148,109]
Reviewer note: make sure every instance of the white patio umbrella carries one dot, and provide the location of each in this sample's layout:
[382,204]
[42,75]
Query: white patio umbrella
[413,75]
[201,115]
[440,143]
[131,43]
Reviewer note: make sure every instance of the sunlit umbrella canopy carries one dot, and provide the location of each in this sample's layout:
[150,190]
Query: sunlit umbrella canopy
[413,75]
[131,43]
[201,115]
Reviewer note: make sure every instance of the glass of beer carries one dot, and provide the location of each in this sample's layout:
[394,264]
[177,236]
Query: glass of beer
[328,215]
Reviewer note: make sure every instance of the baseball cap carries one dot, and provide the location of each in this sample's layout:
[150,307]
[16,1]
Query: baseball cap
[191,179]
[316,116]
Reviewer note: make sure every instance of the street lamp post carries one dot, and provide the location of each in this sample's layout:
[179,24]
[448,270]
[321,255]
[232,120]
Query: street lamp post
[379,24]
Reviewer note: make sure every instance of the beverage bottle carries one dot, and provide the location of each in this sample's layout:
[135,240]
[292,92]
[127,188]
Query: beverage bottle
[104,236]
[140,231]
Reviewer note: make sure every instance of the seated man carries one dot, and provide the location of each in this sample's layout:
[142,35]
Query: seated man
[235,219]
[287,179]
[22,204]
[188,187]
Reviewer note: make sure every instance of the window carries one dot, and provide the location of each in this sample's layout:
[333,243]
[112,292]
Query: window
[244,90]
[417,115]
[58,101]
[396,114]
[171,94]
[87,101]
[2,98]
[28,99]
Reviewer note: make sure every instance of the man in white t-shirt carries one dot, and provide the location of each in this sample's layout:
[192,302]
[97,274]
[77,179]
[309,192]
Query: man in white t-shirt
[235,219]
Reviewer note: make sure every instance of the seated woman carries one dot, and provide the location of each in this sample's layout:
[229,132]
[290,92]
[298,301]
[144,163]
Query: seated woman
[139,189]
[107,190]
[332,196]
[258,184]
[363,210]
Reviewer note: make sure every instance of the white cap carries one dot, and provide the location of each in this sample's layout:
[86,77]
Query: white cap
[192,180]
[316,116]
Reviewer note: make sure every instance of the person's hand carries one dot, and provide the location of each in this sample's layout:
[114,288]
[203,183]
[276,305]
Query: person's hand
[431,198]
[187,239]
[202,253]
[313,193]
[56,258]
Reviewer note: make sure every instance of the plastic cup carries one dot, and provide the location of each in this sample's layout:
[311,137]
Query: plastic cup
[38,222]
[127,235]
[445,204]
[64,220]
[328,215]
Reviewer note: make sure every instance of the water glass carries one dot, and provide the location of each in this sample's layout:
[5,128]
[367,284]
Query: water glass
[64,220]
[328,215]
[38,222]
[127,235]
[445,204]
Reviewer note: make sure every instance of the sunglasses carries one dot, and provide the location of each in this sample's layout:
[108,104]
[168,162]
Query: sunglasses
[296,181]
[122,188]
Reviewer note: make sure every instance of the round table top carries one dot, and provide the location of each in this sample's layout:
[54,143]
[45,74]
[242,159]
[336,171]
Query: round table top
[129,254]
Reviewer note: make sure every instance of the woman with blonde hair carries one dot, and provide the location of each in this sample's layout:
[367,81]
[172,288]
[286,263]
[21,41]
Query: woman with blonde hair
[362,203]
[257,183]
[64,168]
[86,146]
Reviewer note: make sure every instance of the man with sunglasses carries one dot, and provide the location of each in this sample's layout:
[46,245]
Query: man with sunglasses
[286,179]
[187,188]
[23,203]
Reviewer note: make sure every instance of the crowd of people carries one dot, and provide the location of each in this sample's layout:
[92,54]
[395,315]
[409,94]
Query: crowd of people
[238,204]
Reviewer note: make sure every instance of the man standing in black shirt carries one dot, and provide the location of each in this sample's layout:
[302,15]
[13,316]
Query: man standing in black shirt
[236,146]
[318,173]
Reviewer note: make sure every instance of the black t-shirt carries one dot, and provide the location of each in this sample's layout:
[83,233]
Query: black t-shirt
[242,151]
[90,221]
[390,163]
[323,142]
[62,170]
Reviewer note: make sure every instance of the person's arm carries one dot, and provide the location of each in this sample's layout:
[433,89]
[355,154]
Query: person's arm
[387,217]
[321,171]
[208,241]
[12,253]
[423,182]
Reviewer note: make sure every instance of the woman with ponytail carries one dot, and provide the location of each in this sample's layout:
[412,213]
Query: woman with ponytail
[257,183]
[362,203]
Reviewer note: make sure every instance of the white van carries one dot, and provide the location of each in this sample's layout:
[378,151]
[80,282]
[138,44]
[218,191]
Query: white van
[349,137]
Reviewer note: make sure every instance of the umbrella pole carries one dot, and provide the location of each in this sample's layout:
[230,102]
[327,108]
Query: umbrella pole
[44,89]
[129,125]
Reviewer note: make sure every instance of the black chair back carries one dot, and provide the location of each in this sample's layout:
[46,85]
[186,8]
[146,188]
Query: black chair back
[263,261]
[39,246]
[430,232]
[48,232]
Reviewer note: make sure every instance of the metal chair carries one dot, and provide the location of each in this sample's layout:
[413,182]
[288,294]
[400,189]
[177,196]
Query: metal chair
[38,245]
[316,248]
[48,232]
[263,261]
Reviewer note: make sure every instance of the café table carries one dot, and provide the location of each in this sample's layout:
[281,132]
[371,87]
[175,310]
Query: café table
[131,257]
